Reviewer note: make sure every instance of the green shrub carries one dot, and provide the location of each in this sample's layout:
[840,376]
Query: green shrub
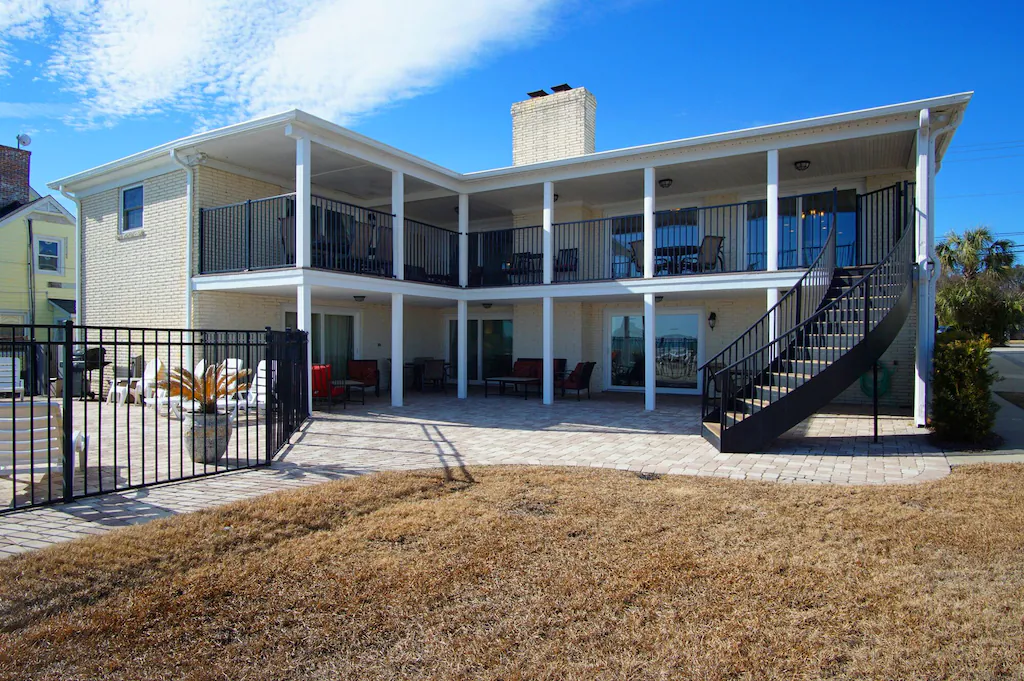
[962,405]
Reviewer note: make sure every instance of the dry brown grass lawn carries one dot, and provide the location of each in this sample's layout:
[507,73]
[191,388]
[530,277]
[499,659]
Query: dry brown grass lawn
[540,573]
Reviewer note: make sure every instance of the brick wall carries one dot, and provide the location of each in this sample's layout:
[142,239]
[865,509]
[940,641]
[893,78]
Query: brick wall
[14,167]
[561,125]
[136,278]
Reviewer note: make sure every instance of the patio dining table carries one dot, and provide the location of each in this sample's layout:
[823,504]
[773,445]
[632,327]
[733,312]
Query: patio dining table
[675,256]
[514,381]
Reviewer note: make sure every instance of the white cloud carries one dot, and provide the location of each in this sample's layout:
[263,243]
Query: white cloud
[226,60]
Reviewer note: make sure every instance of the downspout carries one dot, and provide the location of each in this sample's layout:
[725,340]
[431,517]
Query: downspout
[189,183]
[31,278]
[80,257]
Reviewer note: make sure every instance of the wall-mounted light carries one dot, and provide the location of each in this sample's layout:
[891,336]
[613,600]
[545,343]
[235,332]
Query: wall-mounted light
[487,306]
[456,209]
[556,197]
[665,183]
[359,299]
[712,320]
[658,299]
[802,165]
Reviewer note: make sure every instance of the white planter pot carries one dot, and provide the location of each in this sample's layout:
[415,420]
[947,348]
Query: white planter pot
[206,436]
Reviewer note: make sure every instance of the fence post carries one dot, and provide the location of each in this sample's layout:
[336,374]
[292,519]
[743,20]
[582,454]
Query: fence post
[248,235]
[268,421]
[68,463]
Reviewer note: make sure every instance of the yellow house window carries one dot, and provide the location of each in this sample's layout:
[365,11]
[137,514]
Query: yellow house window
[49,255]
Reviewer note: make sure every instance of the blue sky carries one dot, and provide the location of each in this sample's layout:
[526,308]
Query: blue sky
[659,70]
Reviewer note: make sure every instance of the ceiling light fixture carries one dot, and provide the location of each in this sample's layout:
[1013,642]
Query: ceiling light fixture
[487,306]
[359,299]
[801,166]
[665,183]
[658,299]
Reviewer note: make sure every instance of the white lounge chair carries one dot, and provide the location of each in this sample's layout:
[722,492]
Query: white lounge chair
[11,382]
[148,385]
[32,438]
[256,396]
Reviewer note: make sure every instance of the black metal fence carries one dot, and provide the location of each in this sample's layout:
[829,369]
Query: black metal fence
[88,410]
[506,257]
[431,254]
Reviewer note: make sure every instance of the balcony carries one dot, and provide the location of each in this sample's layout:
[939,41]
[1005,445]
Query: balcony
[260,235]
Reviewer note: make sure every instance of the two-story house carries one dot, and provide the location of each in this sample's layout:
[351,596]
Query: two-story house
[786,258]
[38,261]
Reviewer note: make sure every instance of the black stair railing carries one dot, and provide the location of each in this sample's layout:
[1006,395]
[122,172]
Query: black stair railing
[822,337]
[797,304]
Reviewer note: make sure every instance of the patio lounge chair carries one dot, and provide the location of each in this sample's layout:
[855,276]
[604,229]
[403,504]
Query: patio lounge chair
[708,258]
[578,380]
[11,382]
[322,388]
[365,371]
[32,437]
[256,396]
[435,374]
[567,263]
[148,385]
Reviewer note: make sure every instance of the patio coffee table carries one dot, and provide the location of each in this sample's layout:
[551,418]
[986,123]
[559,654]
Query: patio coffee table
[350,387]
[502,381]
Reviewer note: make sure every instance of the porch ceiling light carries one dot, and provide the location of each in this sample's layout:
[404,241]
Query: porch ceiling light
[665,183]
[658,299]
[487,306]
[802,165]
[359,299]
[712,320]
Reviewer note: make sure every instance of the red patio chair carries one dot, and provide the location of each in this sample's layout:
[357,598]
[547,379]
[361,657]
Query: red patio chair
[322,388]
[578,380]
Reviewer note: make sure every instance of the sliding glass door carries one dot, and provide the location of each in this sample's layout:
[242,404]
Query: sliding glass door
[331,339]
[678,348]
[489,348]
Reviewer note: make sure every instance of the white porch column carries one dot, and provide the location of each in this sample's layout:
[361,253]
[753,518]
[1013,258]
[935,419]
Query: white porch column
[771,301]
[462,361]
[398,228]
[548,333]
[397,348]
[650,336]
[548,243]
[463,242]
[304,315]
[923,227]
[772,219]
[649,233]
[303,169]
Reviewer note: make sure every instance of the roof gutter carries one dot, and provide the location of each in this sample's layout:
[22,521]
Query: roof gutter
[79,254]
[189,185]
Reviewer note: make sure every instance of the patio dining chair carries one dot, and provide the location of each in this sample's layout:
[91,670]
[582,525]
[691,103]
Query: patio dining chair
[567,263]
[578,380]
[708,258]
[434,374]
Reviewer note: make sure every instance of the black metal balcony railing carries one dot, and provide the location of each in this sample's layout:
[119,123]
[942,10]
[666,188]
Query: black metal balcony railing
[347,238]
[252,235]
[431,254]
[506,257]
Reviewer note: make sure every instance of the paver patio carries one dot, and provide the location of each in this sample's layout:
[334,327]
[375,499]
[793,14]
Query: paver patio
[432,431]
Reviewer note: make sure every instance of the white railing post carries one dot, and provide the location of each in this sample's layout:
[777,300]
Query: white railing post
[303,201]
[398,228]
[922,234]
[649,231]
[549,217]
[650,336]
[462,361]
[463,240]
[397,349]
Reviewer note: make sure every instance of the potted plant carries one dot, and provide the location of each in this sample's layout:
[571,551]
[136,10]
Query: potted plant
[206,432]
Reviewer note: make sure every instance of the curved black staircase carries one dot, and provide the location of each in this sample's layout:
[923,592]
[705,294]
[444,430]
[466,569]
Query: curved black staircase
[823,334]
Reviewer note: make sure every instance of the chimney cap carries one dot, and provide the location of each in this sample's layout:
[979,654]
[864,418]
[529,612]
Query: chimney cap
[561,88]
[537,93]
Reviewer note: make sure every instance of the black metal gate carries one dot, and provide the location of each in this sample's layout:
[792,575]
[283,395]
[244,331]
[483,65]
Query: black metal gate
[87,410]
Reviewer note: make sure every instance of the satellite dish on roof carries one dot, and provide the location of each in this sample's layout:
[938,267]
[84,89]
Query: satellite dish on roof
[24,140]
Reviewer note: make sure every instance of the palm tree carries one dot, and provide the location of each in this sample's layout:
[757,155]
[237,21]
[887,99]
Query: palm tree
[975,252]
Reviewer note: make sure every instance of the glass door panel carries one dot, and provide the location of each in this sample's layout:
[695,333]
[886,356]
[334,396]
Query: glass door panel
[675,359]
[496,346]
[473,349]
[337,342]
[627,360]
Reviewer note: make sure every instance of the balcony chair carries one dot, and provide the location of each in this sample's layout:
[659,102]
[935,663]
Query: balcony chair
[708,258]
[524,265]
[287,227]
[578,380]
[365,371]
[567,263]
[322,388]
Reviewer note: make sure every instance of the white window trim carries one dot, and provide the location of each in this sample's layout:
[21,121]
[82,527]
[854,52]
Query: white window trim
[357,324]
[120,210]
[606,342]
[62,244]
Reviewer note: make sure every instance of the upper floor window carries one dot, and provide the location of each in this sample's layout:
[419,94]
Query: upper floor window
[131,208]
[49,255]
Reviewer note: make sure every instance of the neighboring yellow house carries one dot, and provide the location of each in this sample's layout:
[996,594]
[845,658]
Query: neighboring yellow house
[37,264]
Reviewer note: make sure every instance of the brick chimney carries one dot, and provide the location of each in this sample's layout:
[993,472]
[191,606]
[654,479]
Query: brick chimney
[14,189]
[547,127]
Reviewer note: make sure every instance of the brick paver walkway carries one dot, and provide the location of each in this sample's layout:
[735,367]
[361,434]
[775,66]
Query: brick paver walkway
[439,431]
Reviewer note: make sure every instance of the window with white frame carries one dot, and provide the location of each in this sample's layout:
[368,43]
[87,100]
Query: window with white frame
[131,208]
[49,255]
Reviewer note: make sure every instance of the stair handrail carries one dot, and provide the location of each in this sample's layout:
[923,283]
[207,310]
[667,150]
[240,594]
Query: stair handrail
[889,277]
[817,277]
